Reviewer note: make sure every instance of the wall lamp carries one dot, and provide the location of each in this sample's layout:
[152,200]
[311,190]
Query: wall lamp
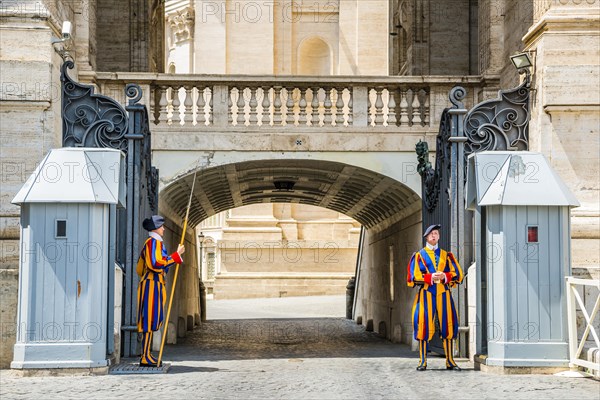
[522,63]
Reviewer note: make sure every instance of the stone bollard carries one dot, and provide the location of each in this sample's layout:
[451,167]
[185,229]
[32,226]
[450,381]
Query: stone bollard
[202,302]
[350,297]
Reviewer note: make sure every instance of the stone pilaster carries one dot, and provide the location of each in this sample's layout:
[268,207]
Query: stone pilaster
[564,43]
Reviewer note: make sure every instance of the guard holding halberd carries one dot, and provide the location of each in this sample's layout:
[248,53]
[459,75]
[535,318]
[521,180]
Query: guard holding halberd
[152,266]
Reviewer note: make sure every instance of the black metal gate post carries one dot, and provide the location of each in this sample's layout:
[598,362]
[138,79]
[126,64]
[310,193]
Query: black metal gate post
[459,220]
[499,124]
[93,120]
[442,190]
[142,201]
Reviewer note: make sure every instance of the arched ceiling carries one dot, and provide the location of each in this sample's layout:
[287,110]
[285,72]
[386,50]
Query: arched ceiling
[367,196]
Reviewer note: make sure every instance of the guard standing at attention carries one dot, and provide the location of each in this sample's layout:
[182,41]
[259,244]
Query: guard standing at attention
[152,266]
[435,271]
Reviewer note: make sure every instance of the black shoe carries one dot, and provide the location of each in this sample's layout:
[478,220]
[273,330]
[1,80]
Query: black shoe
[153,365]
[421,367]
[454,368]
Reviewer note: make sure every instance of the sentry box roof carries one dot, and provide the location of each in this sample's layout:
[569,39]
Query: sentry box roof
[76,175]
[520,178]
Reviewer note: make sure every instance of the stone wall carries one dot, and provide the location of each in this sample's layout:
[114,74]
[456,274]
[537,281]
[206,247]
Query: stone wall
[449,38]
[30,126]
[434,37]
[518,17]
[130,35]
[280,250]
[9,285]
[564,45]
[377,309]
[284,37]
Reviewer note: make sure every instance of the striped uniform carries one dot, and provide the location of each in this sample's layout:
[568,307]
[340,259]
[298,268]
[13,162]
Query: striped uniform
[152,267]
[434,299]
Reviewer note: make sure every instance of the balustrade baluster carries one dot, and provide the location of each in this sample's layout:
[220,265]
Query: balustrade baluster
[327,104]
[290,117]
[188,116]
[154,112]
[315,107]
[416,109]
[253,117]
[200,107]
[378,107]
[241,105]
[350,108]
[176,118]
[370,108]
[339,107]
[266,107]
[403,109]
[302,116]
[209,94]
[277,106]
[391,119]
[163,105]
[229,106]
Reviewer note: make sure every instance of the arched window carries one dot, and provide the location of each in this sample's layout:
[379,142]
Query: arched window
[314,57]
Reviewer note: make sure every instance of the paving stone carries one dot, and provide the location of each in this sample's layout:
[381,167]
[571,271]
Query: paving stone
[325,357]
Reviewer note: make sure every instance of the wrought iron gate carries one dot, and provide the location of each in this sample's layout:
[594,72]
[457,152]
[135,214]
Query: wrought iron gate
[93,120]
[499,124]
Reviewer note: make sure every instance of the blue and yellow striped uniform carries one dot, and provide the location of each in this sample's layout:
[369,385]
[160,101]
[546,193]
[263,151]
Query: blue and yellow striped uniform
[434,298]
[152,267]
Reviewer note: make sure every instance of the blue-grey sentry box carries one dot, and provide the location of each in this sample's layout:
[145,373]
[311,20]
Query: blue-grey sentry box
[65,258]
[523,256]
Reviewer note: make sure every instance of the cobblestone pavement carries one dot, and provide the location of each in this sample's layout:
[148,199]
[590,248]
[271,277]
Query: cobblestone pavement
[305,358]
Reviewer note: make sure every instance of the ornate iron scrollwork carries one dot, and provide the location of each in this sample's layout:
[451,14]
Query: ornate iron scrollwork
[500,124]
[90,120]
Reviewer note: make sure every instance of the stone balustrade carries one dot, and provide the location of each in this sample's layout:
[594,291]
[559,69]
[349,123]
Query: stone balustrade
[213,102]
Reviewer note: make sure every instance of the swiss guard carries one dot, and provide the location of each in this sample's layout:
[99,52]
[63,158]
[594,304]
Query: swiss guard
[435,271]
[152,266]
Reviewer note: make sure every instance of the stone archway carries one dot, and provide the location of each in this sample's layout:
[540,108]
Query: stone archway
[368,196]
[388,207]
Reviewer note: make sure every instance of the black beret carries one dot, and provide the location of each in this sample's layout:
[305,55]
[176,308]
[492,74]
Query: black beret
[431,228]
[154,222]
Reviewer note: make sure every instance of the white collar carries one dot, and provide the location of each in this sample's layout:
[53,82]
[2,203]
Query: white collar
[155,236]
[430,247]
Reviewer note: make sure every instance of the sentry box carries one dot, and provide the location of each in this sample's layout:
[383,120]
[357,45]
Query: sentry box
[522,231]
[67,259]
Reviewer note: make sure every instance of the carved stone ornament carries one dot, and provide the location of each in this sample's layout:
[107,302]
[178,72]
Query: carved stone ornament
[181,23]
